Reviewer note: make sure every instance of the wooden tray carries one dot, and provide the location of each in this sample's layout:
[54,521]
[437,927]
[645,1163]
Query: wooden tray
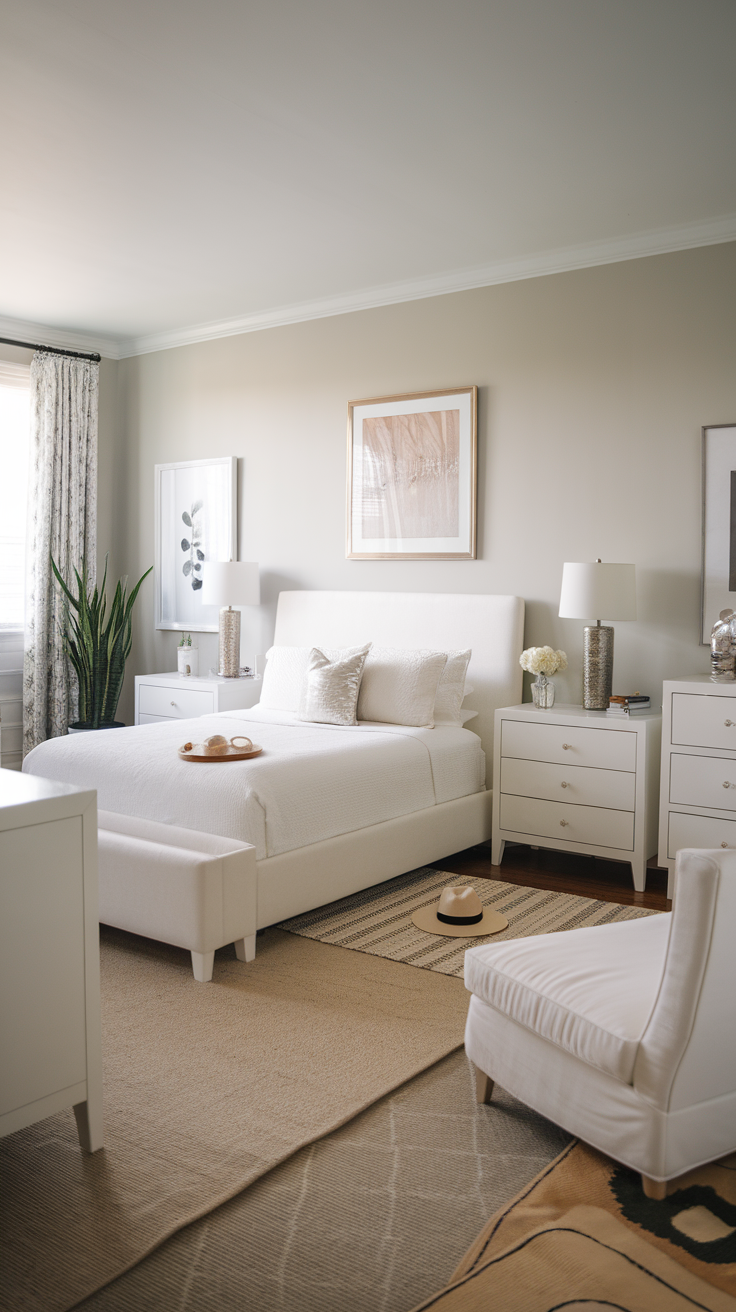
[232,754]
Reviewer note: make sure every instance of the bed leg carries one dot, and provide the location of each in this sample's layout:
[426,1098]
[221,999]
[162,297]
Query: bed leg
[245,948]
[656,1189]
[483,1086]
[203,964]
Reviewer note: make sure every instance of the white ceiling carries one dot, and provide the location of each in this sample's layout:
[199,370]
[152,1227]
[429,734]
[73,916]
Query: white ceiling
[172,164]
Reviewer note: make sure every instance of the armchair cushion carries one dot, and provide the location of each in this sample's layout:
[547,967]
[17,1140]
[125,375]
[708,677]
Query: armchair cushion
[590,993]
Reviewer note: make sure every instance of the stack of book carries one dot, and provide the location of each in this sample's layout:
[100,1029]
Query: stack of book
[628,704]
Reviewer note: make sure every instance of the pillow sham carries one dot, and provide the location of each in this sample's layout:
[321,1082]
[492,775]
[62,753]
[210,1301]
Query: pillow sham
[331,683]
[283,677]
[451,688]
[400,686]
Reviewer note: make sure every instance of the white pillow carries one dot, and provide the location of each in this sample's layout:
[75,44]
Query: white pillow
[451,688]
[283,677]
[400,686]
[330,688]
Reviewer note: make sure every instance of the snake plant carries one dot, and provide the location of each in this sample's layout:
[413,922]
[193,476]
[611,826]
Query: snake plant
[97,649]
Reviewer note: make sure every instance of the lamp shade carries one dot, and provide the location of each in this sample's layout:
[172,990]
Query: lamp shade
[592,590]
[231,583]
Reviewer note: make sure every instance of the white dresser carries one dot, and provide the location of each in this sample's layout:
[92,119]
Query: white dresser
[698,781]
[578,781]
[49,955]
[180,697]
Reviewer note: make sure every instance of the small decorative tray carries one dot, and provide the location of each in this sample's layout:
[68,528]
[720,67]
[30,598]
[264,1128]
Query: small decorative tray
[218,748]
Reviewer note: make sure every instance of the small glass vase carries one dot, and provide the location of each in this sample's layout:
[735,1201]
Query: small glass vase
[543,692]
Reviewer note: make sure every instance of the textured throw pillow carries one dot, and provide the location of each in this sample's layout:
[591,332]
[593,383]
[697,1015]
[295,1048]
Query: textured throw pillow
[331,683]
[400,686]
[451,688]
[283,677]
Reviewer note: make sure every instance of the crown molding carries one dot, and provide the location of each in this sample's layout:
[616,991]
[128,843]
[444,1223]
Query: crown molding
[41,333]
[709,232]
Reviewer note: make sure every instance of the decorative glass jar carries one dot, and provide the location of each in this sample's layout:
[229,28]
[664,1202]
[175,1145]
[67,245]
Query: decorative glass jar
[543,692]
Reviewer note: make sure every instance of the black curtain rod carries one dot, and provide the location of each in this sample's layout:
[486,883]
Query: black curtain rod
[53,350]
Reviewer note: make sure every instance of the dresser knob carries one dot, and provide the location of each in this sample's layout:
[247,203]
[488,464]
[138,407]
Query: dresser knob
[563,784]
[564,822]
[173,703]
[566,746]
[724,844]
[726,784]
[728,724]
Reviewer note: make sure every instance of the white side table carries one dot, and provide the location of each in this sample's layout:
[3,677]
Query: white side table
[180,697]
[49,955]
[698,796]
[577,781]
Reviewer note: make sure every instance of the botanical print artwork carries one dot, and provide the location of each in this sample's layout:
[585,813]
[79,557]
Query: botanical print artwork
[192,568]
[411,475]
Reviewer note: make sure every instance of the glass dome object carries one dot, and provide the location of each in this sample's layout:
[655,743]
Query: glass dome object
[723,648]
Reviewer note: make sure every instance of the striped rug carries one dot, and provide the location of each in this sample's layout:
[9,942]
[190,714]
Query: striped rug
[378,920]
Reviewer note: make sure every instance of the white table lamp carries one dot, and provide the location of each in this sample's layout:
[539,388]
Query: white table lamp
[590,589]
[227,584]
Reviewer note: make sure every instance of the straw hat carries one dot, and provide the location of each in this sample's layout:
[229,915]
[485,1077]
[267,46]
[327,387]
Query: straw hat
[459,914]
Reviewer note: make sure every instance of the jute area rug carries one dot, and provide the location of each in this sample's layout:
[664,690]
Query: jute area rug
[379,919]
[583,1235]
[207,1087]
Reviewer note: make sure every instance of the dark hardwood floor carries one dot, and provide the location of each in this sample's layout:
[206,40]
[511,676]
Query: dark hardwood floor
[562,872]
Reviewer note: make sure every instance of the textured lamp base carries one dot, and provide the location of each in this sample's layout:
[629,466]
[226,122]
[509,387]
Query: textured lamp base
[229,643]
[597,667]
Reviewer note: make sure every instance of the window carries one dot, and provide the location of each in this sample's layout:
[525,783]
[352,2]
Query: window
[15,382]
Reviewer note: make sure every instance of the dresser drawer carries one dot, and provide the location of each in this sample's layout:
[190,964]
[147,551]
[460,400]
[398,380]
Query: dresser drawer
[594,825]
[174,703]
[607,749]
[703,781]
[155,719]
[699,831]
[613,789]
[703,721]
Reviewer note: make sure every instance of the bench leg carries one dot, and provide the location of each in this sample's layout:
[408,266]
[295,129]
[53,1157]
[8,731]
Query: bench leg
[656,1189]
[245,948]
[203,964]
[483,1086]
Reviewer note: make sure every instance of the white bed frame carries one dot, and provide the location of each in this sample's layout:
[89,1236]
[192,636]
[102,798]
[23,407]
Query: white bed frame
[200,909]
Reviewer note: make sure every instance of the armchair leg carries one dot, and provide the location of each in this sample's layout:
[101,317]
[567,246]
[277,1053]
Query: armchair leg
[656,1189]
[483,1086]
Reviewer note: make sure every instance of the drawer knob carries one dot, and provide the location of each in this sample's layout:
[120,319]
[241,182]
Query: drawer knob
[173,703]
[563,784]
[564,822]
[724,844]
[566,746]
[726,784]
[728,724]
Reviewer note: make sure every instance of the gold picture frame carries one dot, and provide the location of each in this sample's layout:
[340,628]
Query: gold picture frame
[412,476]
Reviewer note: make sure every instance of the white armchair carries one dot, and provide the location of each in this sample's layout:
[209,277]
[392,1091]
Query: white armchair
[623,1034]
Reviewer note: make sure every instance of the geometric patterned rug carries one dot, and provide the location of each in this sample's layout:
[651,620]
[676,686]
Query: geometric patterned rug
[378,920]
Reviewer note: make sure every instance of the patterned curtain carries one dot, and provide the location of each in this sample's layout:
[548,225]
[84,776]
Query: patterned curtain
[62,522]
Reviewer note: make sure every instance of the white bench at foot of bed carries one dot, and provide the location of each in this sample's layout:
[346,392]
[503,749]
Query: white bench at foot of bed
[192,889]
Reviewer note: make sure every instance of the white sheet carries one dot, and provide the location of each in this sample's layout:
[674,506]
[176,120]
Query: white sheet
[311,783]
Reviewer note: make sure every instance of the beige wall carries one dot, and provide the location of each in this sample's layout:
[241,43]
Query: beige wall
[593,388]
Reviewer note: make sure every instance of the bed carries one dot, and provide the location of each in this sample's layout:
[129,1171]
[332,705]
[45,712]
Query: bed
[205,855]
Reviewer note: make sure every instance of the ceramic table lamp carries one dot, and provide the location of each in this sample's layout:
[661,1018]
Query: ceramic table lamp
[590,589]
[228,584]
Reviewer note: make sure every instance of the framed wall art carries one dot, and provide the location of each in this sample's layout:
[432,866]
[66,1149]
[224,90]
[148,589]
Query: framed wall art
[196,521]
[719,525]
[412,476]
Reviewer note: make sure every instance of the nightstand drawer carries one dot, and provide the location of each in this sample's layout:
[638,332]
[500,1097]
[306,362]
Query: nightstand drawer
[703,721]
[699,831]
[613,789]
[174,703]
[154,719]
[570,824]
[703,781]
[608,749]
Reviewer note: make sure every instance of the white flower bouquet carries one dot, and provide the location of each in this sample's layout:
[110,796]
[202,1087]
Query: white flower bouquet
[543,660]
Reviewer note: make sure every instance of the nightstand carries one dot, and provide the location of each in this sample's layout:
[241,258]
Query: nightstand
[698,801]
[577,781]
[180,697]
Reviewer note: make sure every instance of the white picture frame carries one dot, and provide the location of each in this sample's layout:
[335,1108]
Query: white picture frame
[719,525]
[206,492]
[412,476]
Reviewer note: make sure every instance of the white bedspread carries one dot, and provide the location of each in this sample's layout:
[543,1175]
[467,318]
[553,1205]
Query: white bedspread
[312,781]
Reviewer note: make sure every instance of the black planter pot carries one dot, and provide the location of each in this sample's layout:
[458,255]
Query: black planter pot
[88,728]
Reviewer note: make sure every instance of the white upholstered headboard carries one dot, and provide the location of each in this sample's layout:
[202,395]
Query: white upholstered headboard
[493,626]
